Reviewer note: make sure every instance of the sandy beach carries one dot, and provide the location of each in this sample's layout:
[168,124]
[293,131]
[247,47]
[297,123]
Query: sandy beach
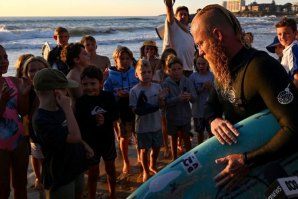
[125,184]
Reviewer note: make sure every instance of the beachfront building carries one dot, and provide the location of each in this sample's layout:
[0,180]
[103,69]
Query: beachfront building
[234,5]
[265,9]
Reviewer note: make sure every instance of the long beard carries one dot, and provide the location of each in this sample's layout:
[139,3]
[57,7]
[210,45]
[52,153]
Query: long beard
[219,63]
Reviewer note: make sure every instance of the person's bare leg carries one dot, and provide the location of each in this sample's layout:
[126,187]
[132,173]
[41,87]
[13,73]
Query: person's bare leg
[153,159]
[111,177]
[19,167]
[174,147]
[186,139]
[93,174]
[145,164]
[165,136]
[124,152]
[36,166]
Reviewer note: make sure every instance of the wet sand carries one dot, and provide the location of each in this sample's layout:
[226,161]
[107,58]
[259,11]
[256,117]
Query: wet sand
[125,184]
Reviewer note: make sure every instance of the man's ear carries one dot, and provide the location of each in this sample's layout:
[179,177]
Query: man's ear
[217,34]
[55,37]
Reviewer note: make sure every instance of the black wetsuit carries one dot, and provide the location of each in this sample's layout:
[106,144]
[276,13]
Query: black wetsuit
[55,61]
[259,82]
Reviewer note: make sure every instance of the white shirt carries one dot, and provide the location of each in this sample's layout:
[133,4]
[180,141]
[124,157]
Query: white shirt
[182,42]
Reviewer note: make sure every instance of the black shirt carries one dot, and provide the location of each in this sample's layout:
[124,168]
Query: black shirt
[259,82]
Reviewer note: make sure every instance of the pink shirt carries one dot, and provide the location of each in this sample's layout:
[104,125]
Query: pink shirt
[11,128]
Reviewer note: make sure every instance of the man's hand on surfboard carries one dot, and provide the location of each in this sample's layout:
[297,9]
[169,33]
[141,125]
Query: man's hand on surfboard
[224,131]
[233,173]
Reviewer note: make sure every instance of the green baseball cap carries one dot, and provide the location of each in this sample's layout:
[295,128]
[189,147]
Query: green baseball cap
[48,79]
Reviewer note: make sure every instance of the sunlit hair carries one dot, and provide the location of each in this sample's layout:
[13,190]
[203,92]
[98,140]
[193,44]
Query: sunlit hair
[143,63]
[227,17]
[120,50]
[219,63]
[164,55]
[92,71]
[20,63]
[39,59]
[171,60]
[286,22]
[88,38]
[70,52]
[60,30]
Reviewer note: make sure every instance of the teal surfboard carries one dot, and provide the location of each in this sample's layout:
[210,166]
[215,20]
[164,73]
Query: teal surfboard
[191,175]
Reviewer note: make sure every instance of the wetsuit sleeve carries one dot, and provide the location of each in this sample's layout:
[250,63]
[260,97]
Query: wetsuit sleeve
[269,80]
[213,108]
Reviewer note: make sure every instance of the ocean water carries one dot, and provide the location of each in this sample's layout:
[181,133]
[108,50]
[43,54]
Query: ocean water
[21,35]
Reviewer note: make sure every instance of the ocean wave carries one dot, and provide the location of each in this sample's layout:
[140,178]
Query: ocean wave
[12,33]
[6,35]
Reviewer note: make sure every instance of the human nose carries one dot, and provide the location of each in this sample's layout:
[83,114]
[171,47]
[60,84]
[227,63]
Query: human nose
[201,52]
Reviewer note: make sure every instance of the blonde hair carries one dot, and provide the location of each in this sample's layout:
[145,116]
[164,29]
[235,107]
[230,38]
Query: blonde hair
[33,59]
[120,50]
[143,63]
[20,64]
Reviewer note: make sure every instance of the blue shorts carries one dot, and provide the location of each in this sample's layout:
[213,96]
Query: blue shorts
[150,140]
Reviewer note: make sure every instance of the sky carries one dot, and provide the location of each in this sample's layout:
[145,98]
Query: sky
[102,7]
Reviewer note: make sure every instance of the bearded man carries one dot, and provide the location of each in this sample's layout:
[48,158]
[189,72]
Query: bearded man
[247,82]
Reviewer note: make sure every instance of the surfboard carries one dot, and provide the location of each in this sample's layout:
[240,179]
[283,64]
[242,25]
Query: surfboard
[191,175]
[160,30]
[45,50]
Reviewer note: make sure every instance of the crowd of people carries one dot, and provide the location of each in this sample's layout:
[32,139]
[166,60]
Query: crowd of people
[72,109]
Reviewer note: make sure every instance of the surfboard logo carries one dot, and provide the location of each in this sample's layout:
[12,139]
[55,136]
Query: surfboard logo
[285,96]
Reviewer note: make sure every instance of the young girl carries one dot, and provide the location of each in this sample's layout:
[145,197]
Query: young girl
[95,112]
[149,51]
[30,67]
[77,59]
[14,152]
[121,79]
[159,76]
[203,83]
[178,110]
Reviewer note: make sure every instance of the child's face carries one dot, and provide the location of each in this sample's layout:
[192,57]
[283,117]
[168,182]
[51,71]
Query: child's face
[144,74]
[33,68]
[285,35]
[62,39]
[84,58]
[3,61]
[149,51]
[91,86]
[90,46]
[123,62]
[202,65]
[176,71]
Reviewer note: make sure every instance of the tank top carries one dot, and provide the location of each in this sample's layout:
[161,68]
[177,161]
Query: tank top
[11,128]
